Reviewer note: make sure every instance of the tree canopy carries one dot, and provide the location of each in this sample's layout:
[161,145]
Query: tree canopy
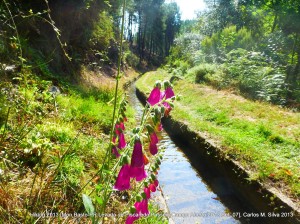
[231,32]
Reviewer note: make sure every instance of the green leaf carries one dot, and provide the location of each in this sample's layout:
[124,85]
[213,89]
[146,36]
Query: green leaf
[99,187]
[99,200]
[88,205]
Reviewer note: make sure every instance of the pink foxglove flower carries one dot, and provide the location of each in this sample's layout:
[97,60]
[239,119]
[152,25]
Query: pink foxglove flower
[147,192]
[155,182]
[114,139]
[137,167]
[155,96]
[138,173]
[117,129]
[122,142]
[119,125]
[122,126]
[153,148]
[152,187]
[153,138]
[141,210]
[169,93]
[123,179]
[168,108]
[142,207]
[153,143]
[115,151]
[131,218]
[137,159]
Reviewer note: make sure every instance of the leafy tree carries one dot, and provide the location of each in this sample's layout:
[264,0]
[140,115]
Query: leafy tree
[289,22]
[269,28]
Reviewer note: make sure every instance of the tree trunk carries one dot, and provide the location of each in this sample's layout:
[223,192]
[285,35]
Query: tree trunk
[129,37]
[151,46]
[293,75]
[144,38]
[294,47]
[139,42]
[274,22]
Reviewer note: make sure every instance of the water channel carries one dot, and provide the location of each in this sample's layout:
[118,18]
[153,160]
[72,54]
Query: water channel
[193,191]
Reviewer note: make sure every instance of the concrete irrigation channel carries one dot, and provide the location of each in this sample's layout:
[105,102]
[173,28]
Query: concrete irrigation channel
[201,185]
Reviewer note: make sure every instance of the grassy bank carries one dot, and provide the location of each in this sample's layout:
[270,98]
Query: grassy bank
[263,138]
[52,144]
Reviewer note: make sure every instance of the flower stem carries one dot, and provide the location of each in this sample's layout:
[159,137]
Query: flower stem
[112,129]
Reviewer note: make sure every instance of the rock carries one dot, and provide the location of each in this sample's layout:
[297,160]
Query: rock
[54,90]
[174,78]
[9,69]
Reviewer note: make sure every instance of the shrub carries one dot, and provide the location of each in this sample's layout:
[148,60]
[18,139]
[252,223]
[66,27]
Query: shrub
[219,44]
[198,57]
[131,59]
[216,79]
[274,88]
[244,39]
[255,75]
[201,71]
[185,47]
[177,67]
[72,170]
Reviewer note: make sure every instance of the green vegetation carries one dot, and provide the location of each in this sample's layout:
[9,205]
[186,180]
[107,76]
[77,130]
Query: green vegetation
[262,137]
[249,49]
[52,144]
[58,63]
[253,48]
[60,60]
[58,37]
[47,148]
[157,23]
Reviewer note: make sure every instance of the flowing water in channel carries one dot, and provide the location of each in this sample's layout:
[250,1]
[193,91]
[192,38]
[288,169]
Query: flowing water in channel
[188,195]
